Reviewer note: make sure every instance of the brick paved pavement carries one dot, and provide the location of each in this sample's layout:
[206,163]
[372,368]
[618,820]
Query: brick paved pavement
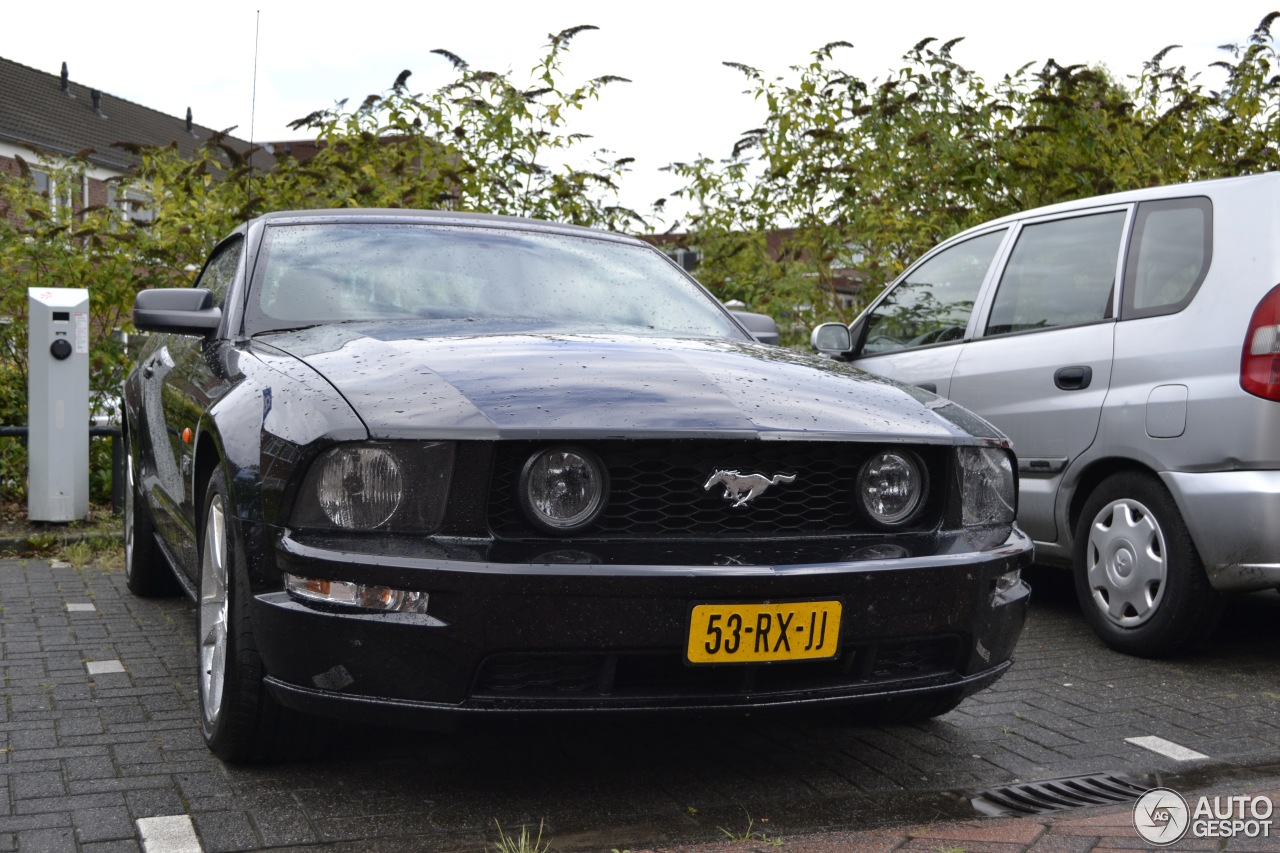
[1087,830]
[99,738]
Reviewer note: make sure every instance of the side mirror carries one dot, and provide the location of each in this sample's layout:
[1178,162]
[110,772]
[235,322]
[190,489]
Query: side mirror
[761,326]
[832,339]
[177,310]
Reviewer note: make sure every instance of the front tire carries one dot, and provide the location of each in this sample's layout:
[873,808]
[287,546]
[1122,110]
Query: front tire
[240,720]
[1139,578]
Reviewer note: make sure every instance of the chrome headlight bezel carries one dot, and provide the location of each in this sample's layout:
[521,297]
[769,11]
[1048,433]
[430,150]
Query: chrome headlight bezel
[548,469]
[892,488]
[412,487]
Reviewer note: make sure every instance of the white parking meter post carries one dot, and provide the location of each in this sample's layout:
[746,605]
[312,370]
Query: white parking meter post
[57,404]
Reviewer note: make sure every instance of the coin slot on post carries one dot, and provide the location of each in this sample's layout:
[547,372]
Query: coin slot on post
[58,404]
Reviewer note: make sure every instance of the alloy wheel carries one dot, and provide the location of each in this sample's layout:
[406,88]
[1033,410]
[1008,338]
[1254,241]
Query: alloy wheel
[129,510]
[213,611]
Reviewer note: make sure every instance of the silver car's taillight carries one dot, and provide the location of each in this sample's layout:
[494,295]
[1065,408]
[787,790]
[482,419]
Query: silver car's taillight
[1260,361]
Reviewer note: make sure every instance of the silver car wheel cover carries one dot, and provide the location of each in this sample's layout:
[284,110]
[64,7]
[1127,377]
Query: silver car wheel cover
[1126,562]
[213,611]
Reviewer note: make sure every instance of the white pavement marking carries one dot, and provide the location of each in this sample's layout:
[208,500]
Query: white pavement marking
[174,834]
[80,607]
[1167,748]
[102,667]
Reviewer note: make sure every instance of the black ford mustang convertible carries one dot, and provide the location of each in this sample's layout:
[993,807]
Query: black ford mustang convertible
[410,463]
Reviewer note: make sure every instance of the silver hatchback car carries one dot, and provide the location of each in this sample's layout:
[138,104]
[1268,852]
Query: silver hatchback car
[1129,344]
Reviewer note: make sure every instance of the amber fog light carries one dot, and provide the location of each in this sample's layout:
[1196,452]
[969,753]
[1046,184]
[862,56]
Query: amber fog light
[362,595]
[891,487]
[563,489]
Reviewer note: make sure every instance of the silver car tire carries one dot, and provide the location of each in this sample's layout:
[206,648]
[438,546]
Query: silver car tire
[1139,578]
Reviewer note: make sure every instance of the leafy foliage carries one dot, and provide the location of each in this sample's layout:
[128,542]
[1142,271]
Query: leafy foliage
[844,179]
[857,178]
[480,143]
[46,246]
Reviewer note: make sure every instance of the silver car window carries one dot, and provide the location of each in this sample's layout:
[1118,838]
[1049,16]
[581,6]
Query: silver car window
[932,303]
[1168,257]
[1060,273]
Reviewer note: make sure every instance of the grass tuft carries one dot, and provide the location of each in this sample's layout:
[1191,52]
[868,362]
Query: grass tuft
[751,834]
[523,843]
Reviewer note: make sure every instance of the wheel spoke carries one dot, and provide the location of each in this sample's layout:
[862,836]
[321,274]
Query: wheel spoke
[129,510]
[213,611]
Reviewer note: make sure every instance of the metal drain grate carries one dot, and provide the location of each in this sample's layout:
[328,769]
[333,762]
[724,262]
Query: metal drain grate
[1052,795]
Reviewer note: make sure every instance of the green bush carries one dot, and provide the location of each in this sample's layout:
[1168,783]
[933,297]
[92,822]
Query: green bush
[862,176]
[13,451]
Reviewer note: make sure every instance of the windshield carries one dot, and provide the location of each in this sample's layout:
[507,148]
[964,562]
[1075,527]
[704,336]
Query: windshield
[459,276]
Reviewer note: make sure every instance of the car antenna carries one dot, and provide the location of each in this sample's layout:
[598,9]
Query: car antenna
[253,112]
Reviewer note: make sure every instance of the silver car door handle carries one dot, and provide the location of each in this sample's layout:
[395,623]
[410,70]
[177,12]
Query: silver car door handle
[1073,378]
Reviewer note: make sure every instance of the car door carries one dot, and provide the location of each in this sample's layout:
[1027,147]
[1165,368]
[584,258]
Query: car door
[914,332]
[172,402]
[1041,366]
[161,460]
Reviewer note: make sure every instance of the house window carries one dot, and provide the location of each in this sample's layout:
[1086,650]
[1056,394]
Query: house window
[687,258]
[61,193]
[846,300]
[850,257]
[41,182]
[134,204]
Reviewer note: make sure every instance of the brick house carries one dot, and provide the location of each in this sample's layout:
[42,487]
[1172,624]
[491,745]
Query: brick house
[58,117]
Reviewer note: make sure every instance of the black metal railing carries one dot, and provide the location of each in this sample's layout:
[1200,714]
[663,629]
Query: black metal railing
[117,456]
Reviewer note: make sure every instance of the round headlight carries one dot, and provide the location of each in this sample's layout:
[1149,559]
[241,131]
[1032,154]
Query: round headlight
[891,487]
[360,487]
[563,489]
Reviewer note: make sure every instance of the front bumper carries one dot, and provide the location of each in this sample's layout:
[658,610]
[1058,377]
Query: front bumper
[586,636]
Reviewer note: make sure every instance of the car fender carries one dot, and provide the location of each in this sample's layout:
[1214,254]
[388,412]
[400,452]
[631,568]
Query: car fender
[267,423]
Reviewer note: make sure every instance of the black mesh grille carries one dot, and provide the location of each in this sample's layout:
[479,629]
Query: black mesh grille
[546,675]
[903,659]
[656,489]
[589,676]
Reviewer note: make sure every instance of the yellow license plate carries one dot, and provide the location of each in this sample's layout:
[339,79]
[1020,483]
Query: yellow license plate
[754,633]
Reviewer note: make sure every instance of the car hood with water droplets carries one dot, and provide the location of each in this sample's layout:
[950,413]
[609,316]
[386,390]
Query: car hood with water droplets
[404,384]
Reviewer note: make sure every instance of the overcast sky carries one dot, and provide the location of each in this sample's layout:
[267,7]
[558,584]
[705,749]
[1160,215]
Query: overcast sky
[682,102]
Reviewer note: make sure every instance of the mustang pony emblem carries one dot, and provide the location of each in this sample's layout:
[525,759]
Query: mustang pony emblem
[744,488]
